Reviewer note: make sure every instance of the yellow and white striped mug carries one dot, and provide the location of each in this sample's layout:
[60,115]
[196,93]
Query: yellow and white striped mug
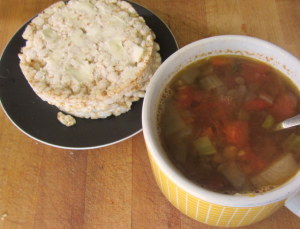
[194,201]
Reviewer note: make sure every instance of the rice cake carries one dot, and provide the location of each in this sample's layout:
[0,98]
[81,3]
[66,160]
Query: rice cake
[66,120]
[90,58]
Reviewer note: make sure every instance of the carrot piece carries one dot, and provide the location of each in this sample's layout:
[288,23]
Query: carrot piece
[236,133]
[255,73]
[184,98]
[220,61]
[284,106]
[208,132]
[198,96]
[257,104]
[252,163]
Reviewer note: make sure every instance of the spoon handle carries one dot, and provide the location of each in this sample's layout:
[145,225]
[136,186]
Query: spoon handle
[294,121]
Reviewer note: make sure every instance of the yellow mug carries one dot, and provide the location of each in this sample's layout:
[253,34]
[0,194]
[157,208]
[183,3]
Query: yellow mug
[192,200]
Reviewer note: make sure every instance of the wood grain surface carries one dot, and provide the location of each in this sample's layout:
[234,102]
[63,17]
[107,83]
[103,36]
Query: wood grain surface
[113,187]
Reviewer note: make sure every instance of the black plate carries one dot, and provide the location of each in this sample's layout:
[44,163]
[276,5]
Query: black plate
[37,118]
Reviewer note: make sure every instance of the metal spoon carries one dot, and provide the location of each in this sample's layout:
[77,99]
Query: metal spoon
[291,122]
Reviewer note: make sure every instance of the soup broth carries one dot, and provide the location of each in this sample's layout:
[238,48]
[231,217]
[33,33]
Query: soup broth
[217,121]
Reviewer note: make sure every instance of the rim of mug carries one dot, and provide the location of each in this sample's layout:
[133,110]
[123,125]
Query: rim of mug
[156,151]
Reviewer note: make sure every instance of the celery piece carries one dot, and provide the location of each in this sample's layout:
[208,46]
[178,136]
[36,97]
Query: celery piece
[243,115]
[292,143]
[207,70]
[268,122]
[189,76]
[204,146]
[210,82]
[177,144]
[181,153]
[173,121]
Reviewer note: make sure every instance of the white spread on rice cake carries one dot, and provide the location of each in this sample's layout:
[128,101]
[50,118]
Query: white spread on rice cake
[90,58]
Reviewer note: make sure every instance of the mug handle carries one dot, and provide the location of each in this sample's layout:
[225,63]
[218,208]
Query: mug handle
[293,204]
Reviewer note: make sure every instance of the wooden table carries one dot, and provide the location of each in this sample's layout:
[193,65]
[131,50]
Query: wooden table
[113,187]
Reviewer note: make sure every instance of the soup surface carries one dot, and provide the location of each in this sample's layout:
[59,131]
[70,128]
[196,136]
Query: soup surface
[217,121]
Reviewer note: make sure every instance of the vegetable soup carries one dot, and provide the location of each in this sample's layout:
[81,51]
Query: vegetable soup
[217,121]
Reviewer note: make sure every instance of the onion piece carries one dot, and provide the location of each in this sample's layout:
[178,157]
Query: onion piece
[266,97]
[210,82]
[235,176]
[277,173]
[173,122]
